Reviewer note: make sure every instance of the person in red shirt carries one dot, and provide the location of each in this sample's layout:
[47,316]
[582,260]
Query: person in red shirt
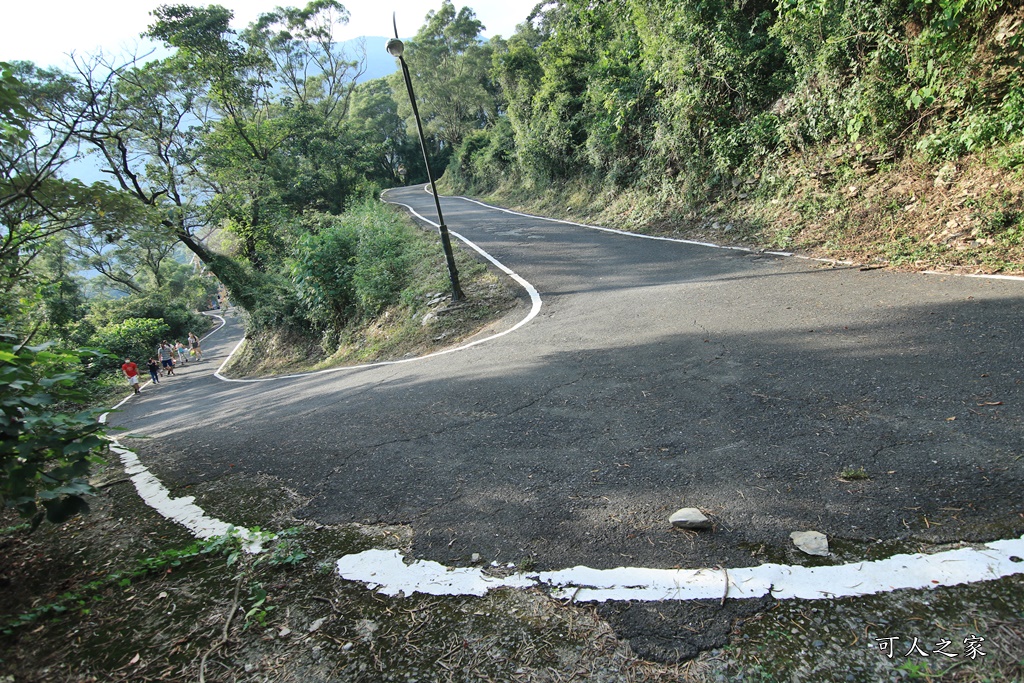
[131,371]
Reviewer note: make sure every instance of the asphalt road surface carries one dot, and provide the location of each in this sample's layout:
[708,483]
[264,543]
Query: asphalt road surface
[657,375]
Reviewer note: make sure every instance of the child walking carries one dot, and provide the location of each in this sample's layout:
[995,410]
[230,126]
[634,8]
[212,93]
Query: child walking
[166,357]
[154,370]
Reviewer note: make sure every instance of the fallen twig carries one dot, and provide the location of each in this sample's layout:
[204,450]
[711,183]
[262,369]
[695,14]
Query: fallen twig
[328,601]
[224,633]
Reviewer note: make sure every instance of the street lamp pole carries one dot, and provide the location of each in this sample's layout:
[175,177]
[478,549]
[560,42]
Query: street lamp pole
[396,48]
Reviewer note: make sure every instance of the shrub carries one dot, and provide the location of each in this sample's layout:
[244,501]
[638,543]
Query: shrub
[135,338]
[178,317]
[322,271]
[352,267]
[48,444]
[381,268]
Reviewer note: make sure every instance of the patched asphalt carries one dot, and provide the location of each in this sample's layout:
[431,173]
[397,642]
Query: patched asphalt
[657,375]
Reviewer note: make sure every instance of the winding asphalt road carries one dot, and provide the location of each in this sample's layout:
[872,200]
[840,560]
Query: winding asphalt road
[657,375]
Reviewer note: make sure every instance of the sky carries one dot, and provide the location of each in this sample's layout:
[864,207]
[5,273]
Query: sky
[44,31]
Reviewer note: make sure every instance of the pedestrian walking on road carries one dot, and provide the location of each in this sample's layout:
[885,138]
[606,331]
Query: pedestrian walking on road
[193,341]
[166,357]
[131,371]
[182,352]
[154,370]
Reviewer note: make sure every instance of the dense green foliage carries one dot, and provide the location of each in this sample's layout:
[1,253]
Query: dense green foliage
[232,150]
[135,338]
[48,439]
[682,97]
[449,65]
[353,266]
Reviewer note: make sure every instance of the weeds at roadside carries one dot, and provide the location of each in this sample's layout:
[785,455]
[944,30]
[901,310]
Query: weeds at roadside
[284,551]
[181,613]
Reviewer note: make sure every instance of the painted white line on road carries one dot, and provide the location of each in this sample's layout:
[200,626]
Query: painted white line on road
[658,238]
[183,511]
[387,572]
[984,276]
[223,322]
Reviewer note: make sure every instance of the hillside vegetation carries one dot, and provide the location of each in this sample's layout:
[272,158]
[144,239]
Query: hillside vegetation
[883,132]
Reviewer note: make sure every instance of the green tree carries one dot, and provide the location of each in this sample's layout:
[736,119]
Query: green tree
[324,167]
[634,94]
[135,338]
[37,205]
[277,143]
[13,114]
[143,125]
[381,132]
[59,291]
[518,71]
[450,70]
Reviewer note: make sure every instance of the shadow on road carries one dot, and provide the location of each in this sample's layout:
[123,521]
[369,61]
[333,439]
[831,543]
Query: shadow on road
[578,456]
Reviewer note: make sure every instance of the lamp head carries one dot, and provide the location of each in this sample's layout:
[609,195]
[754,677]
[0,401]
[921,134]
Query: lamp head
[395,48]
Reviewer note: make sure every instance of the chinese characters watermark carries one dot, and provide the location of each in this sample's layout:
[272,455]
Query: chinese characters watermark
[971,650]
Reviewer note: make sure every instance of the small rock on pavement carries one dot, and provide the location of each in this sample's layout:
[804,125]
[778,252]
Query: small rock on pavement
[689,518]
[811,542]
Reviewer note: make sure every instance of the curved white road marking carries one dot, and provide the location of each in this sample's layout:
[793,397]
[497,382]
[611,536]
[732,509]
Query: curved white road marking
[387,572]
[184,511]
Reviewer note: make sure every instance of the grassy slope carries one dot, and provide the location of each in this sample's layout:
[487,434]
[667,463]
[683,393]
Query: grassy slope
[841,204]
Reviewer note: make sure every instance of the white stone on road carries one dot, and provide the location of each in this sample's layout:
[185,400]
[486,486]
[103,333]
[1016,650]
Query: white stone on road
[689,518]
[811,542]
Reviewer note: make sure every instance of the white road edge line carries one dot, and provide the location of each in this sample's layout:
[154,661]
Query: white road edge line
[184,511]
[387,572]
